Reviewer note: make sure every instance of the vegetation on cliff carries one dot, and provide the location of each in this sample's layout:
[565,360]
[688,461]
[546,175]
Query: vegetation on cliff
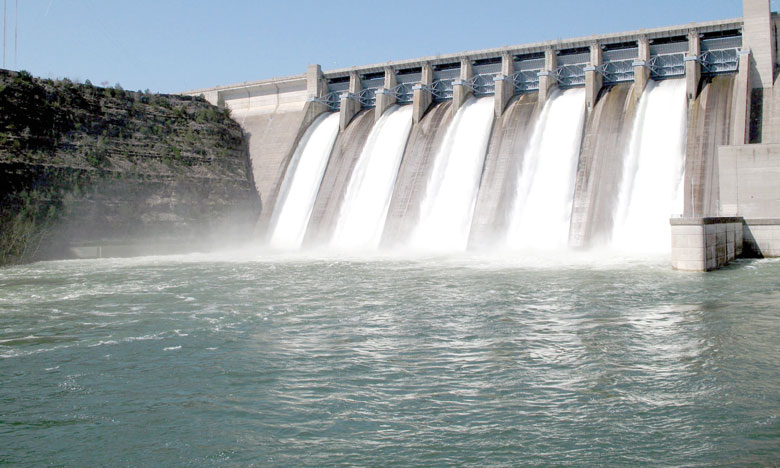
[82,164]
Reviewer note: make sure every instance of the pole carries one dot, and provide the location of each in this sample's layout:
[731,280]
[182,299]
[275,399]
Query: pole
[5,16]
[16,33]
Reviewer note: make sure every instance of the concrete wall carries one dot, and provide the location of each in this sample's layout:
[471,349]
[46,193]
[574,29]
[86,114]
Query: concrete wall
[750,180]
[705,244]
[762,237]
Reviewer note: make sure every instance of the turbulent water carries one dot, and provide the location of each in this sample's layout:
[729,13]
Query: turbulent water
[270,361]
[448,206]
[652,184]
[542,208]
[302,182]
[363,212]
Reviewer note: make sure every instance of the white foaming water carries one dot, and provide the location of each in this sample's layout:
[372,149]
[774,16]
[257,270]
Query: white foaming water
[367,199]
[448,206]
[542,207]
[302,182]
[651,188]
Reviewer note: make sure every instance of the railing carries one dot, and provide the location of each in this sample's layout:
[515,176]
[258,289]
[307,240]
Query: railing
[719,61]
[403,92]
[570,75]
[526,80]
[367,97]
[667,60]
[480,85]
[441,90]
[618,65]
[332,99]
[617,71]
[666,66]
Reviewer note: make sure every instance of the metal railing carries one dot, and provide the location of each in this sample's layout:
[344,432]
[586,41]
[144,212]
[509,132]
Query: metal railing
[666,66]
[617,71]
[480,85]
[332,99]
[570,75]
[367,97]
[441,90]
[719,61]
[526,80]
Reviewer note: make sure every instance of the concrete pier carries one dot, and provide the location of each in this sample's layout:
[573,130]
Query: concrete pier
[384,99]
[757,35]
[422,97]
[641,67]
[594,80]
[316,88]
[350,104]
[692,65]
[705,244]
[460,89]
[547,77]
[505,86]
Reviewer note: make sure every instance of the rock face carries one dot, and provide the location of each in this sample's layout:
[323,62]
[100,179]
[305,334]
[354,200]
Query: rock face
[86,166]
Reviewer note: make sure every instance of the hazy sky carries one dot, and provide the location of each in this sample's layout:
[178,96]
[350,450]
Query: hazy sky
[176,45]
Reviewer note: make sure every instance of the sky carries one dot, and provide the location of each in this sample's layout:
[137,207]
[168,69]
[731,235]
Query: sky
[176,45]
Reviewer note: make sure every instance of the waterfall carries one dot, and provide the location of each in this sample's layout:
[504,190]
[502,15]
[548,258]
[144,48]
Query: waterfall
[362,215]
[448,205]
[651,188]
[542,208]
[302,182]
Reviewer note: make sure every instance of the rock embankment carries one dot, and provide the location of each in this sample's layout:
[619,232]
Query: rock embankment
[82,165]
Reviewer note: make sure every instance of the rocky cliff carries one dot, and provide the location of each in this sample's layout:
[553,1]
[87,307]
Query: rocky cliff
[83,166]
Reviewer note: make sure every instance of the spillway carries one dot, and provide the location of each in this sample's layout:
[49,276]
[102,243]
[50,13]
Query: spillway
[604,147]
[361,219]
[424,141]
[508,144]
[302,182]
[543,199]
[652,183]
[446,210]
[343,158]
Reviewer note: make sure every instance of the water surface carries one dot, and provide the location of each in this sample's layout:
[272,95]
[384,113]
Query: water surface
[256,359]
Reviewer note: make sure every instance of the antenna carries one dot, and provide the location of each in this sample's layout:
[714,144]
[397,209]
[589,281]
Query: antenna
[16,32]
[5,16]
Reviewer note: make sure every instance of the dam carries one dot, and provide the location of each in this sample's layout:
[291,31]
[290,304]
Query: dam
[659,140]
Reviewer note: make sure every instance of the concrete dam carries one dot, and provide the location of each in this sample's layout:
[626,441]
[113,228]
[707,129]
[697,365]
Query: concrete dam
[658,140]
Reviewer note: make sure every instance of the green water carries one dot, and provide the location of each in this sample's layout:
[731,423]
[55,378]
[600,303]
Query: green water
[238,361]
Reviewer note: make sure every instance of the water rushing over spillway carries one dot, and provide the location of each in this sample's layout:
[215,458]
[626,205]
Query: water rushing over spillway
[542,208]
[448,205]
[302,182]
[652,183]
[363,211]
[419,184]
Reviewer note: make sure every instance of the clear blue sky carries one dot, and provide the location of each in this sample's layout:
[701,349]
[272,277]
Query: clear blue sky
[175,45]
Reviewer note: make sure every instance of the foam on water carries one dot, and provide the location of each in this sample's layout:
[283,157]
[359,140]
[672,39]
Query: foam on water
[302,182]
